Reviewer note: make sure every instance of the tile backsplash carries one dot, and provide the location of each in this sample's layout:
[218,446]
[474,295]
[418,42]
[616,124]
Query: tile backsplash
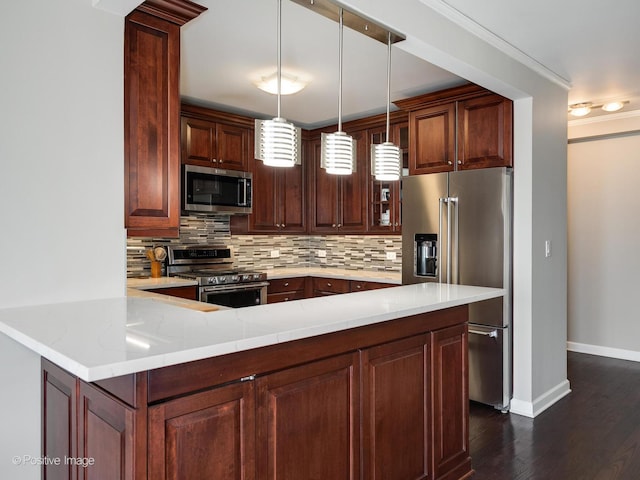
[265,252]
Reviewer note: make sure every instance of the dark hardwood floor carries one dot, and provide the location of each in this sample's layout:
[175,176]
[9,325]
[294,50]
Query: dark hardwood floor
[591,434]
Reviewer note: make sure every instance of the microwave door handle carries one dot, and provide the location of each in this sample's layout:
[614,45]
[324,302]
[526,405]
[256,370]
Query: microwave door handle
[242,188]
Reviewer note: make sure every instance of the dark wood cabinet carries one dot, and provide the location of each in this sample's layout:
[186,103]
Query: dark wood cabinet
[385,401]
[287,289]
[360,286]
[106,436]
[211,144]
[151,117]
[59,421]
[433,139]
[338,203]
[396,381]
[308,421]
[329,286]
[278,199]
[459,129]
[204,435]
[450,423]
[485,132]
[188,292]
[385,197]
[92,433]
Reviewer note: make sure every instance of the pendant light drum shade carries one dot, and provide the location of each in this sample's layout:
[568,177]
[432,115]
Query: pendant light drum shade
[385,161]
[277,142]
[338,152]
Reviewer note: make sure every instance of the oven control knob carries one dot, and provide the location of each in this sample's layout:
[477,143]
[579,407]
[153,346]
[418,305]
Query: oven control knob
[256,276]
[235,278]
[221,280]
[246,278]
[212,280]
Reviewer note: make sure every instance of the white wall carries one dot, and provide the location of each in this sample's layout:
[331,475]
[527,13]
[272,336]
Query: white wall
[604,254]
[61,183]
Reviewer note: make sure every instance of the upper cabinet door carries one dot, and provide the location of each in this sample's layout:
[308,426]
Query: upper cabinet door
[212,144]
[432,134]
[485,132]
[233,147]
[152,106]
[198,142]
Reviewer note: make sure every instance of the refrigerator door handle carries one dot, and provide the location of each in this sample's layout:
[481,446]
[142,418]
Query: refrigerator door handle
[452,224]
[440,220]
[490,333]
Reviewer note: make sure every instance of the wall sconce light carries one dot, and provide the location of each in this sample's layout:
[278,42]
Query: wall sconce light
[582,109]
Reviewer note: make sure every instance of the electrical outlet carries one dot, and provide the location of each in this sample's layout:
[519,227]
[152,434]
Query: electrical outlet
[322,254]
[275,253]
[547,248]
[391,255]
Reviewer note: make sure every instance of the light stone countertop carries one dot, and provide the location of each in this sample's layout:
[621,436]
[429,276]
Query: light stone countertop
[107,338]
[147,283]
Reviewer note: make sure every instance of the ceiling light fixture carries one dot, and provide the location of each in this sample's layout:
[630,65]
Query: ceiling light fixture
[278,142]
[580,109]
[289,84]
[613,106]
[338,149]
[385,157]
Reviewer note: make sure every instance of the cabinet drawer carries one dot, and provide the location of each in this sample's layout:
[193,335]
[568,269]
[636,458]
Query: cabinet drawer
[280,285]
[330,285]
[285,296]
[357,286]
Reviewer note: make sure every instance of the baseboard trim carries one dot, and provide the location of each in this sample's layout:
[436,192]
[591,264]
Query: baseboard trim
[604,351]
[540,404]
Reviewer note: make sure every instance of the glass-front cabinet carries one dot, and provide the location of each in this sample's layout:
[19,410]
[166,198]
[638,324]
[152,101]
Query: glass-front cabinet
[385,197]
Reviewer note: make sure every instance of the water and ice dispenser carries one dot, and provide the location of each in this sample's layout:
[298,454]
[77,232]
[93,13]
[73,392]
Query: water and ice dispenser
[426,254]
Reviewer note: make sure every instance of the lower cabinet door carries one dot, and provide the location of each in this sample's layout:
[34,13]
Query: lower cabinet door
[208,435]
[106,437]
[308,421]
[449,364]
[396,392]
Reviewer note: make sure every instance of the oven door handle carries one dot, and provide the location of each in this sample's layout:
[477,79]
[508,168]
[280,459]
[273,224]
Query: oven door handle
[235,286]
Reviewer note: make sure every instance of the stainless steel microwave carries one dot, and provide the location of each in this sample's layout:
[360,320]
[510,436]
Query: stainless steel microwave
[213,190]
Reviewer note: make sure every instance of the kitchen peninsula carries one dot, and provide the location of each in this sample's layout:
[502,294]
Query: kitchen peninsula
[375,381]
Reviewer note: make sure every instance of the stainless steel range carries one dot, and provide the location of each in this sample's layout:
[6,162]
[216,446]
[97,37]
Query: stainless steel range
[219,282]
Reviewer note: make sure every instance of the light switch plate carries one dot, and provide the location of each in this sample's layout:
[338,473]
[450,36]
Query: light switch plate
[391,255]
[275,253]
[322,253]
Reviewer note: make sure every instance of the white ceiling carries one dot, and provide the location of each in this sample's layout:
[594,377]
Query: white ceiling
[589,43]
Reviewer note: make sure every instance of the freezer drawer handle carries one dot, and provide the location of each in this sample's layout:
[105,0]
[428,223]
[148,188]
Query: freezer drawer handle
[491,334]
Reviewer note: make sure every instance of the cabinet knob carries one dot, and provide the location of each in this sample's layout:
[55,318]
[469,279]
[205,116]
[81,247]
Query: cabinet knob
[286,284]
[450,162]
[459,162]
[277,225]
[283,225]
[286,299]
[328,284]
[396,224]
[333,225]
[339,225]
[358,287]
[221,161]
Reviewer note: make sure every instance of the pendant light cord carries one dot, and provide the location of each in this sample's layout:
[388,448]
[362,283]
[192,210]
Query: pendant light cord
[279,53]
[388,80]
[340,74]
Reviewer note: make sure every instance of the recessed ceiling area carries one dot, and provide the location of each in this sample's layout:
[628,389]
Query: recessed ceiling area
[231,45]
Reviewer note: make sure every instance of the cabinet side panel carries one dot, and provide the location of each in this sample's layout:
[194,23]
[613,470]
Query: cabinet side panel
[59,421]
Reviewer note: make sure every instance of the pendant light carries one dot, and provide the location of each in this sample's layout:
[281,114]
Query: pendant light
[277,142]
[385,157]
[338,149]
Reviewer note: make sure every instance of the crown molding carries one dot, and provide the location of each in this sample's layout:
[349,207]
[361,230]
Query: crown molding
[495,41]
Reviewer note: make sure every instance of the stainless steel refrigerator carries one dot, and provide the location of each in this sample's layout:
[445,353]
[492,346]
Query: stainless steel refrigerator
[457,228]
